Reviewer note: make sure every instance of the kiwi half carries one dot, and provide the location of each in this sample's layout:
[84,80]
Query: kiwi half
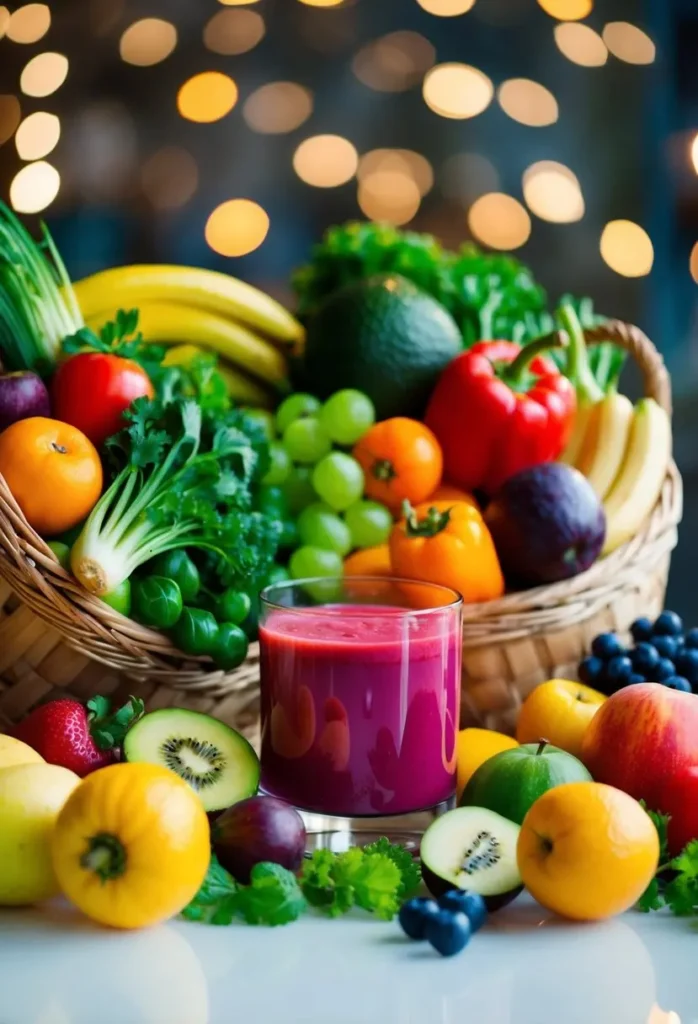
[472,848]
[217,762]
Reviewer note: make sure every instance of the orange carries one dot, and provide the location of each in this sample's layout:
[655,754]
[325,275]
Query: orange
[475,746]
[401,460]
[558,711]
[53,471]
[369,562]
[132,845]
[587,851]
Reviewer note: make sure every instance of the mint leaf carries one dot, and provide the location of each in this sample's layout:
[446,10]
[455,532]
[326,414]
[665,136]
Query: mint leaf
[407,865]
[273,896]
[214,903]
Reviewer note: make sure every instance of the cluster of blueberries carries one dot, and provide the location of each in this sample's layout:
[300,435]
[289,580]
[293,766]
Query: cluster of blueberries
[447,924]
[663,653]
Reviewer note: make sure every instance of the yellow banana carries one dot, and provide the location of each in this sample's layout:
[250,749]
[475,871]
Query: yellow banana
[605,442]
[129,287]
[638,485]
[168,324]
[582,417]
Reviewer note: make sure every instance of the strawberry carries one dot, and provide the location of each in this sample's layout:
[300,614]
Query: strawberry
[81,738]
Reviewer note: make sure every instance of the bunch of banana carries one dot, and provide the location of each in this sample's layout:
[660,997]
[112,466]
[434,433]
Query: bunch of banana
[251,332]
[624,453]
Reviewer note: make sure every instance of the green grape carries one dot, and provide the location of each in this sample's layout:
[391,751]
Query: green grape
[339,480]
[306,440]
[320,527]
[277,574]
[369,523]
[293,408]
[347,415]
[279,465]
[264,420]
[298,488]
[308,561]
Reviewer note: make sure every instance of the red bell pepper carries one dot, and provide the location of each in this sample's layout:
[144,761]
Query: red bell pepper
[497,409]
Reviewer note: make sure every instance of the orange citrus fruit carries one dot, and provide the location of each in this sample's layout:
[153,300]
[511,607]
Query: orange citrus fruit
[475,746]
[558,711]
[587,851]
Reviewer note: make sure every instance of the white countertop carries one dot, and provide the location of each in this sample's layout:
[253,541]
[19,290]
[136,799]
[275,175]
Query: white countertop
[524,967]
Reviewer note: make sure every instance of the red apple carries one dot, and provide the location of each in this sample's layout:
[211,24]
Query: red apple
[640,737]
[679,799]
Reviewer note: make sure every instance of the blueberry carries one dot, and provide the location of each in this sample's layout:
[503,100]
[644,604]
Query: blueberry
[470,903]
[692,638]
[687,664]
[668,624]
[448,932]
[641,629]
[619,671]
[636,678]
[644,657]
[678,683]
[606,645]
[415,914]
[590,670]
[666,646]
[665,670]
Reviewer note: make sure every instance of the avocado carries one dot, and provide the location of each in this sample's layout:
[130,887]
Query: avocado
[383,336]
[547,525]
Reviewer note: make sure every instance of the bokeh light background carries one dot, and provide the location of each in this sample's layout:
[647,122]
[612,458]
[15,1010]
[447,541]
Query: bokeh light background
[231,133]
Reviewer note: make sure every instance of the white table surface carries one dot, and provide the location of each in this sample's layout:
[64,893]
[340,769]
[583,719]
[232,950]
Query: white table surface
[524,967]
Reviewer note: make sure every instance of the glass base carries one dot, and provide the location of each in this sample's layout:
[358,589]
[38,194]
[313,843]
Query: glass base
[330,832]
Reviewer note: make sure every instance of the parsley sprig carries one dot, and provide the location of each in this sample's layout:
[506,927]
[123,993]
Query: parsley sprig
[675,884]
[273,897]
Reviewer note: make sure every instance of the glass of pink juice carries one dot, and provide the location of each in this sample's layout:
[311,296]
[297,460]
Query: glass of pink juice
[360,692]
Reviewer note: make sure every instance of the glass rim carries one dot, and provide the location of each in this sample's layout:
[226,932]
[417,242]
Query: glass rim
[288,584]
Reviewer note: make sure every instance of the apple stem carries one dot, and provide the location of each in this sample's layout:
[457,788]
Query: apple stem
[542,744]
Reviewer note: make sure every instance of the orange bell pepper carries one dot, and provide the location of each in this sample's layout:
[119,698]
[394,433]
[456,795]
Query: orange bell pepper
[448,543]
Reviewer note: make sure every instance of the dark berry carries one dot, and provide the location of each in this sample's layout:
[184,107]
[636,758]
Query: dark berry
[636,678]
[641,629]
[469,903]
[448,932]
[691,639]
[619,671]
[665,669]
[668,624]
[644,657]
[414,915]
[687,664]
[678,683]
[590,670]
[666,646]
[606,645]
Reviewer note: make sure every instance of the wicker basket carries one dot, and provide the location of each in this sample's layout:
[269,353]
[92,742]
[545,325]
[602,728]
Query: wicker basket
[56,638]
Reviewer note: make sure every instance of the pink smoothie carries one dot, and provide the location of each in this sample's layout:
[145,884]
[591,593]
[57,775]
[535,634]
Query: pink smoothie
[360,708]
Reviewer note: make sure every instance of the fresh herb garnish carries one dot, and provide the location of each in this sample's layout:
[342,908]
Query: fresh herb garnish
[273,897]
[376,878]
[675,884]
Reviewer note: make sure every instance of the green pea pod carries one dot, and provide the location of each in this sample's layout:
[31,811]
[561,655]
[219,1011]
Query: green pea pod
[178,566]
[231,646]
[156,601]
[119,598]
[233,606]
[196,631]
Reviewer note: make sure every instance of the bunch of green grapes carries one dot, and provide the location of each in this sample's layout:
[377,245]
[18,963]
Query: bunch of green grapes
[315,485]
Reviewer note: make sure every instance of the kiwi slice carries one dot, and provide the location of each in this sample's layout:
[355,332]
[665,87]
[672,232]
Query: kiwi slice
[217,762]
[472,848]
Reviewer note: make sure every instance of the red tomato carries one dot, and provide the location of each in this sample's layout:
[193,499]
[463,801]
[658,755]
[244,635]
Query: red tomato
[91,391]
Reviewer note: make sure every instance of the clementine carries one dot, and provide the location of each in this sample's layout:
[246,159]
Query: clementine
[558,711]
[587,851]
[475,746]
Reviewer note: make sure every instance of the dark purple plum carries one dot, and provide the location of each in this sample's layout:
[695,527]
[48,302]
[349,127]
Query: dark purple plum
[260,828]
[547,525]
[22,394]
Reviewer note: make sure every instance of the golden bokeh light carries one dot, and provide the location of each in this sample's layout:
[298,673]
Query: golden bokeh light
[278,107]
[29,24]
[147,42]
[446,8]
[694,153]
[567,10]
[405,162]
[395,62]
[10,116]
[629,43]
[466,176]
[553,193]
[627,248]
[500,221]
[237,3]
[34,187]
[325,161]
[581,44]
[234,32]
[237,227]
[528,102]
[37,135]
[457,90]
[322,3]
[207,97]
[4,20]
[693,263]
[169,178]
[390,196]
[44,74]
